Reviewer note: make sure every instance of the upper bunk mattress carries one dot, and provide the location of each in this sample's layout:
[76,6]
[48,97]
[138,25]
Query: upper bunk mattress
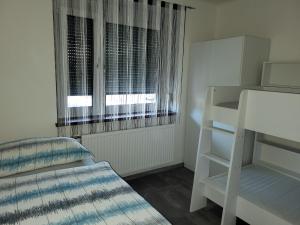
[269,189]
[92,194]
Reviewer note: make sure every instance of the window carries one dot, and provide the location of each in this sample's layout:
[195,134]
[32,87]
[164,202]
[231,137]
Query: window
[117,84]
[127,64]
[130,54]
[80,61]
[117,60]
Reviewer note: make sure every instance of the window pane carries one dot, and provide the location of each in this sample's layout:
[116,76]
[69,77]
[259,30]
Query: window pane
[79,101]
[80,55]
[130,99]
[125,71]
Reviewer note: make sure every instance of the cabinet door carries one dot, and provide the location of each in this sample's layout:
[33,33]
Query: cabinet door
[226,62]
[199,73]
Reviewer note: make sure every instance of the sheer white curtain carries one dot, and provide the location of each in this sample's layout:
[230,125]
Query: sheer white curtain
[118,64]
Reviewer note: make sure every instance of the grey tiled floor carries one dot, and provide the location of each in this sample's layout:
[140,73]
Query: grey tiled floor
[170,192]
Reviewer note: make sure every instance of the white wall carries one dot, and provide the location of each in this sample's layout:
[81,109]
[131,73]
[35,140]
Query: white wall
[27,68]
[275,19]
[27,81]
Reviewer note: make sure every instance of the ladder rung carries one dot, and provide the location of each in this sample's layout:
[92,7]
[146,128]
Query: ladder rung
[219,130]
[217,159]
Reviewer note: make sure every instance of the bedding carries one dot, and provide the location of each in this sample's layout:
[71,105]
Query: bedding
[84,162]
[30,154]
[92,194]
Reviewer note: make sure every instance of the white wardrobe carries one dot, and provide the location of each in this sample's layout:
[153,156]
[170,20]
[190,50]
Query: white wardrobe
[233,61]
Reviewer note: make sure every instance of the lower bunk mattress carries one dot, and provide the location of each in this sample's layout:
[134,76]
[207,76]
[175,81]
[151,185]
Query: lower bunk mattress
[92,194]
[268,189]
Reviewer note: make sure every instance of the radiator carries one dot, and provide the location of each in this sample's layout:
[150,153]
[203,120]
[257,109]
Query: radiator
[135,150]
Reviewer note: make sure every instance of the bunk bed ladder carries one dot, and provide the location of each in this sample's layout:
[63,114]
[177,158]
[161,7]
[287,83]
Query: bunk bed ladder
[204,156]
[234,172]
[198,200]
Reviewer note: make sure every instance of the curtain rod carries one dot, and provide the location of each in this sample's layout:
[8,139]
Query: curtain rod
[187,7]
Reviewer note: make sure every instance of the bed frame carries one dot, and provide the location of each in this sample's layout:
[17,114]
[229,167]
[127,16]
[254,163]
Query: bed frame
[268,190]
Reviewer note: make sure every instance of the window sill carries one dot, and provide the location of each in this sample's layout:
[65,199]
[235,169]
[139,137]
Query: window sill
[110,118]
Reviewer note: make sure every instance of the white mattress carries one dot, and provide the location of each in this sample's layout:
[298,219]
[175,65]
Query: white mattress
[273,191]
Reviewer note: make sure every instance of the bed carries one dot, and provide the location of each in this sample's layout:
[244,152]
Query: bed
[83,193]
[266,190]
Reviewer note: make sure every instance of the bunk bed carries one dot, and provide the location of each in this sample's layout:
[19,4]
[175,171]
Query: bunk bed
[267,191]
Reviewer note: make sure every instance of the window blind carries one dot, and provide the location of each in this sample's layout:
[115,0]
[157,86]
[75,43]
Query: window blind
[80,45]
[132,56]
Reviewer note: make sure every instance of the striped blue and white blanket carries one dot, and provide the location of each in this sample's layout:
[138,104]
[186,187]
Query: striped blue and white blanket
[92,194]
